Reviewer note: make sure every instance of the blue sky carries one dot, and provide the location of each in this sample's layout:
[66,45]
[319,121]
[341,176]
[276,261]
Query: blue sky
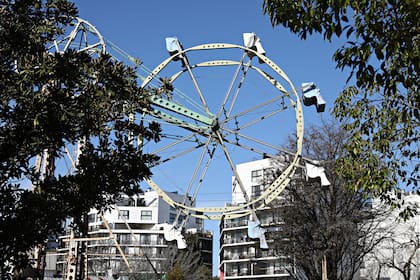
[140,28]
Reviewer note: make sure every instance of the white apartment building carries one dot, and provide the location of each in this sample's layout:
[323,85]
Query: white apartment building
[398,252]
[133,234]
[241,257]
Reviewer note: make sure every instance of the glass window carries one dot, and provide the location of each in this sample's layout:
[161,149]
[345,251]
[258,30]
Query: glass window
[256,176]
[172,217]
[123,215]
[123,238]
[145,239]
[141,202]
[91,218]
[160,240]
[146,215]
[256,190]
[124,201]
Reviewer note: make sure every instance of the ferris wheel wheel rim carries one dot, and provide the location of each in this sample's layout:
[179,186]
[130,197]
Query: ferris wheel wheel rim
[270,193]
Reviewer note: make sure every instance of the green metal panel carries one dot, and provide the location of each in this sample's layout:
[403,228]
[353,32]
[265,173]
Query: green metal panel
[169,105]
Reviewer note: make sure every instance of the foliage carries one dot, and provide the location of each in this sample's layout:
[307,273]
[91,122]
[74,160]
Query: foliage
[324,220]
[381,109]
[176,273]
[49,101]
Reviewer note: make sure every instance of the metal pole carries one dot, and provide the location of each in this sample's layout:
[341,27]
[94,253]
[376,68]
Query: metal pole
[104,221]
[324,268]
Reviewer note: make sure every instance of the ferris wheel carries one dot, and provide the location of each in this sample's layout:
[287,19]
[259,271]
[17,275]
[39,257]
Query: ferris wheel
[236,105]
[219,105]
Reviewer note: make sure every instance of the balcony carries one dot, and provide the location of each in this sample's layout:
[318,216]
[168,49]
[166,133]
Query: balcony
[235,224]
[236,240]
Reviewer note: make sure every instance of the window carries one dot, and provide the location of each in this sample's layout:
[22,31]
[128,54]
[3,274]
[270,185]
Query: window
[256,176]
[159,252]
[141,202]
[256,190]
[123,238]
[146,215]
[91,218]
[243,269]
[153,238]
[172,217]
[145,239]
[125,201]
[160,240]
[123,215]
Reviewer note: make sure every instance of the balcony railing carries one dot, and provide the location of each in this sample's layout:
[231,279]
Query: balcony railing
[236,240]
[236,224]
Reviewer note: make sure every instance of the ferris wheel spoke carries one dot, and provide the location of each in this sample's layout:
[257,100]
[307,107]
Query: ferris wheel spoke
[200,181]
[232,166]
[252,139]
[83,38]
[91,47]
[229,91]
[260,118]
[72,36]
[197,168]
[235,97]
[195,83]
[256,107]
[204,172]
[195,174]
[175,143]
[260,152]
[181,153]
[70,157]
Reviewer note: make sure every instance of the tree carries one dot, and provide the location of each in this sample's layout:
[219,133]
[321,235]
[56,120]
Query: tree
[405,254]
[381,109]
[398,253]
[324,221]
[176,273]
[186,264]
[47,101]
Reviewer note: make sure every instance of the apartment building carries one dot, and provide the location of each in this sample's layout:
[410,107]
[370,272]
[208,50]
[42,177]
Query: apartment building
[397,254]
[129,239]
[240,256]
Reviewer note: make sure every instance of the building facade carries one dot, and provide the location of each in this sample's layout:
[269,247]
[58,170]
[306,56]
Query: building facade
[129,240]
[240,256]
[397,254]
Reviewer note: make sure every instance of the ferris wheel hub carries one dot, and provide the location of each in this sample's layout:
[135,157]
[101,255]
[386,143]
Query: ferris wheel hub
[215,125]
